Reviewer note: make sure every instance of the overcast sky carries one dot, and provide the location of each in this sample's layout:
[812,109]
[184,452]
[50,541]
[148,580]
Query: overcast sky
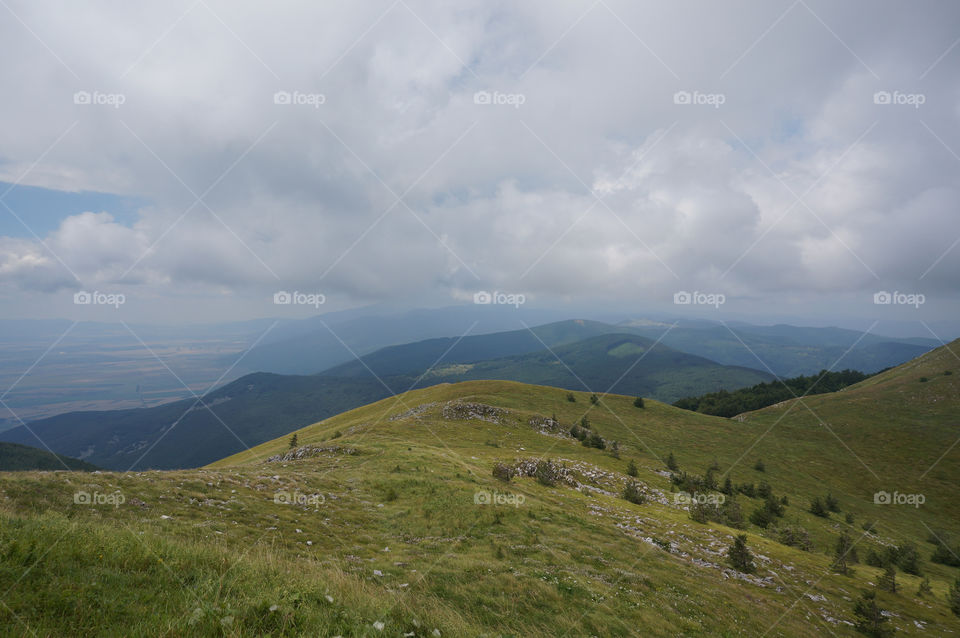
[794,157]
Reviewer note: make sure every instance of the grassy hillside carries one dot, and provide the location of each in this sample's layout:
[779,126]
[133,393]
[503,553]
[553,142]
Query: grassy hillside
[15,457]
[378,523]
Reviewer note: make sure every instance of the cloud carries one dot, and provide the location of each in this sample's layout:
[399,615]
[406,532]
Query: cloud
[395,184]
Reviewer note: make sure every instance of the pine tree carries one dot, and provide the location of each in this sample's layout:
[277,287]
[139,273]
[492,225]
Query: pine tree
[632,469]
[740,557]
[953,597]
[638,402]
[841,554]
[869,616]
[759,466]
[672,463]
[293,441]
[888,580]
[727,487]
[924,589]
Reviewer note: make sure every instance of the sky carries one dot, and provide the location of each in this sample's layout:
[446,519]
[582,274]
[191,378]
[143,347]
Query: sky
[189,161]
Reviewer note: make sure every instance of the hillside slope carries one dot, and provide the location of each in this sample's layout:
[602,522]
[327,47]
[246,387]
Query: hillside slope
[386,520]
[15,457]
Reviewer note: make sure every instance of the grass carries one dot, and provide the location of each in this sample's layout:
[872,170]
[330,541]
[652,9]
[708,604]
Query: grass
[394,534]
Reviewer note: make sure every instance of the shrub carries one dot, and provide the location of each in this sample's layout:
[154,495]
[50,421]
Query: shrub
[764,490]
[638,402]
[953,597]
[909,559]
[923,379]
[946,556]
[632,493]
[759,466]
[594,399]
[748,490]
[547,473]
[632,469]
[571,398]
[731,514]
[849,518]
[831,503]
[817,508]
[585,422]
[740,557]
[503,472]
[794,536]
[595,440]
[869,526]
[924,589]
[761,517]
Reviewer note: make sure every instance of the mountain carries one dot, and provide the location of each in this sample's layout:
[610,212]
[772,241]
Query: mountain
[787,351]
[617,363]
[260,406]
[313,345]
[388,520]
[419,356]
[184,433]
[15,457]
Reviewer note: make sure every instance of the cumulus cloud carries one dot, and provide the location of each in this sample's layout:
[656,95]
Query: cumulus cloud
[579,174]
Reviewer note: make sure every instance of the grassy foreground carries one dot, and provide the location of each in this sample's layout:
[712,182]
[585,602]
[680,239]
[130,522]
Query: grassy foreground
[392,523]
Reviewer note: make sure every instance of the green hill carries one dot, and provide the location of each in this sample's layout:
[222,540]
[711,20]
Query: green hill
[15,457]
[387,520]
[618,363]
